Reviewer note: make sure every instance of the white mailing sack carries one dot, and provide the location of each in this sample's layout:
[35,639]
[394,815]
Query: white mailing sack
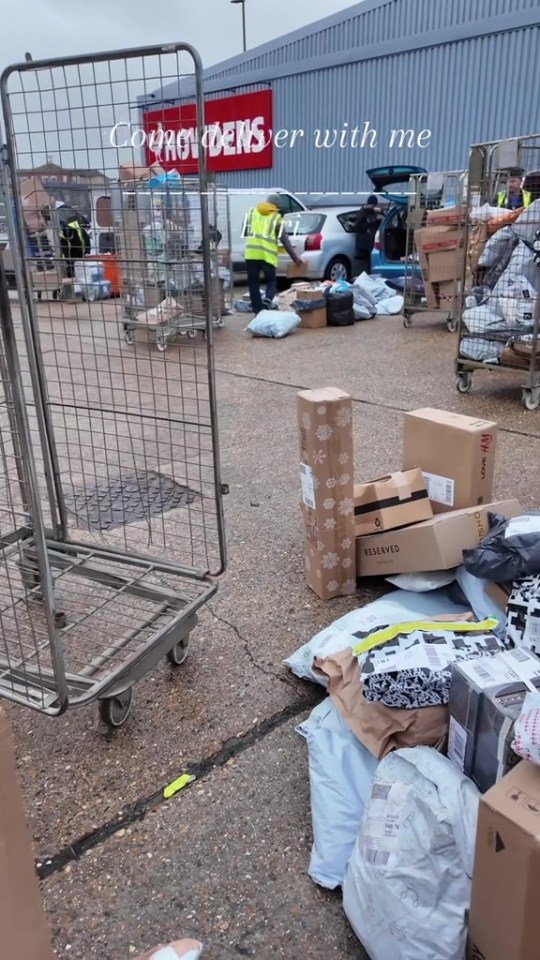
[407,885]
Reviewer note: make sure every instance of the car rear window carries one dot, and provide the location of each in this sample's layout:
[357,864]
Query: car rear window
[302,224]
[348,221]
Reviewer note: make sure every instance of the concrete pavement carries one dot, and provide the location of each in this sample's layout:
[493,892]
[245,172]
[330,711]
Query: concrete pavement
[226,859]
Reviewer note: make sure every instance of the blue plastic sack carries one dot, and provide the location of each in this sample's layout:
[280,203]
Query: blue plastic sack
[341,773]
[273,323]
[164,178]
[340,286]
[243,306]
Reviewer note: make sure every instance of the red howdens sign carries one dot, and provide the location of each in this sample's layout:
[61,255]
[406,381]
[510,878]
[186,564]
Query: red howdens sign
[237,136]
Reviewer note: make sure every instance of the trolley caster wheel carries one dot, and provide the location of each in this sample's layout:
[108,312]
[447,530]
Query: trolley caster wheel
[129,336]
[192,333]
[161,345]
[407,322]
[464,382]
[530,398]
[114,711]
[451,324]
[178,654]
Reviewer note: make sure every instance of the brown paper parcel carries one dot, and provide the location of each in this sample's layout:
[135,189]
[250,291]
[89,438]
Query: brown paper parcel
[381,729]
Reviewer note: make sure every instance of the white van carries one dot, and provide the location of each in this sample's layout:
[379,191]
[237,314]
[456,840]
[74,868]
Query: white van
[240,202]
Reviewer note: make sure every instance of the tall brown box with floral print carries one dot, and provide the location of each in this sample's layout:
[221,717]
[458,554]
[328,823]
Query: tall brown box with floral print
[327,479]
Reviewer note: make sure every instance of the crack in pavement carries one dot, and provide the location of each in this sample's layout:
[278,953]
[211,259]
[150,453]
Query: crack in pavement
[361,400]
[135,812]
[250,655]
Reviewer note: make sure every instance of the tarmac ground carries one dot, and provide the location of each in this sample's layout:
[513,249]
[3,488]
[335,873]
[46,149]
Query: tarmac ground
[225,860]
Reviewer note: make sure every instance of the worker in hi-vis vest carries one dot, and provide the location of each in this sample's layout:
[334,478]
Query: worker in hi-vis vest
[265,232]
[514,197]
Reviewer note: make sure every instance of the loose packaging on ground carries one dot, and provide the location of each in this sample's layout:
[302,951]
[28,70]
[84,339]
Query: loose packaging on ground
[341,772]
[509,550]
[415,675]
[378,727]
[407,885]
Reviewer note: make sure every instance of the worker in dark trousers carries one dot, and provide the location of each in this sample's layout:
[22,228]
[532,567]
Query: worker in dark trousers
[264,230]
[74,236]
[368,220]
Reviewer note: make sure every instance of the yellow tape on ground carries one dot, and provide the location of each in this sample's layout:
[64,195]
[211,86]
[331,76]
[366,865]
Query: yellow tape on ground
[177,785]
[390,633]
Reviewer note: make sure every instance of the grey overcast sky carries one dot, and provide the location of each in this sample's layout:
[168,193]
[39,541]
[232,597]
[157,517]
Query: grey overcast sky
[55,28]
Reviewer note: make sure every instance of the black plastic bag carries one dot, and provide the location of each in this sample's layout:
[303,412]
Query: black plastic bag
[510,551]
[340,309]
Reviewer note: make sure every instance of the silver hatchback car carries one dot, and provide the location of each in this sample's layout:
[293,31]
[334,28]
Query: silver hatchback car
[325,239]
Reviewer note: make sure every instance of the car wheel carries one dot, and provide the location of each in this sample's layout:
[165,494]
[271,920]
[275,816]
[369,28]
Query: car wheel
[339,268]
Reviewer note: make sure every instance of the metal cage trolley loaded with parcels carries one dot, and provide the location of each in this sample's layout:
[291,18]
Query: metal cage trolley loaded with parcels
[499,322]
[112,533]
[159,236]
[434,246]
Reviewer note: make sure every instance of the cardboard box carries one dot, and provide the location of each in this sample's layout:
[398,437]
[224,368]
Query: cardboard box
[130,171]
[449,292]
[447,216]
[327,465]
[444,248]
[308,291]
[504,920]
[486,696]
[446,264]
[431,290]
[387,503]
[33,193]
[297,269]
[24,929]
[435,544]
[313,319]
[499,593]
[455,453]
[47,280]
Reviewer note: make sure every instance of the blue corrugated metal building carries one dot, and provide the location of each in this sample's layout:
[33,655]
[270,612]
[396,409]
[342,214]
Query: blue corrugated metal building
[466,70]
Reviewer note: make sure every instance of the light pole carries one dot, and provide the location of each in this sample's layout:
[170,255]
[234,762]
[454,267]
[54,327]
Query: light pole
[243,5]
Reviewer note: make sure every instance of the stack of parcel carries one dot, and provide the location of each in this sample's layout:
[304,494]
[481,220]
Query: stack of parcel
[440,247]
[499,322]
[313,305]
[424,758]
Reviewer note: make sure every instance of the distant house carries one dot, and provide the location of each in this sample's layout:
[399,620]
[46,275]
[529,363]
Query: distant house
[71,186]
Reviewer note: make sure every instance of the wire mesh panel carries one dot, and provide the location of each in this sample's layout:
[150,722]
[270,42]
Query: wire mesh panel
[434,237]
[27,602]
[500,318]
[160,244]
[118,392]
[134,430]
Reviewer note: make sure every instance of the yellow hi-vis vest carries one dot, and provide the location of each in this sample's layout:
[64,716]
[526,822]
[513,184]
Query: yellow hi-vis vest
[262,236]
[76,227]
[502,197]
